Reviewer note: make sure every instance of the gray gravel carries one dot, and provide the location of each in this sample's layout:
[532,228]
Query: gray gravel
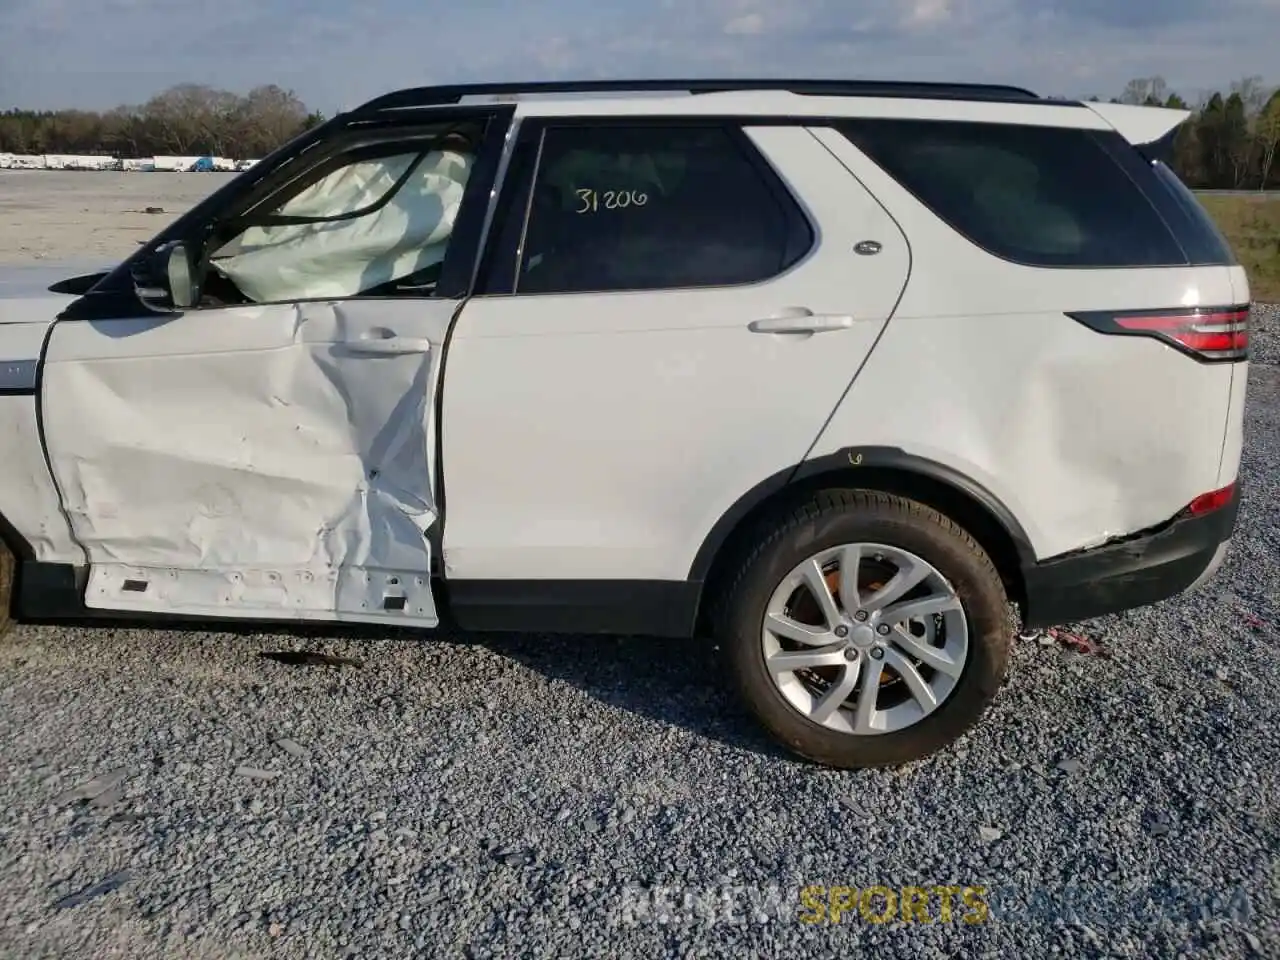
[175,794]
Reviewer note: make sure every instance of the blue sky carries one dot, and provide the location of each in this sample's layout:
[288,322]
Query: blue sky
[99,53]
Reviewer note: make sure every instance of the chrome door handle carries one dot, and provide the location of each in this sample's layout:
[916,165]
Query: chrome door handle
[389,346]
[795,321]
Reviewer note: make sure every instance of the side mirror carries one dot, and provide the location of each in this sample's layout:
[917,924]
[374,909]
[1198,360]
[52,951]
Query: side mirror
[166,281]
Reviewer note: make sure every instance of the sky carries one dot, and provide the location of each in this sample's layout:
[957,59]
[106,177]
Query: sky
[97,54]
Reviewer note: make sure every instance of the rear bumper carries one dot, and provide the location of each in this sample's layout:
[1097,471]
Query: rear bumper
[1142,570]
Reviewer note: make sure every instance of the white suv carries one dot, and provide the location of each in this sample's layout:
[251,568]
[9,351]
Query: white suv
[833,372]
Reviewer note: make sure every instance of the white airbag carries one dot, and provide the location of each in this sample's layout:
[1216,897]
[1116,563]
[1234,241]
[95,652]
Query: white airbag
[342,258]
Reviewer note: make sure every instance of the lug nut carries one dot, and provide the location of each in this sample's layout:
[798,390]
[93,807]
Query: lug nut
[842,631]
[851,654]
[877,654]
[883,629]
[860,616]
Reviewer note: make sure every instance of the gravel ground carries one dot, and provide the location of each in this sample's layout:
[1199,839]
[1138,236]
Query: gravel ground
[171,794]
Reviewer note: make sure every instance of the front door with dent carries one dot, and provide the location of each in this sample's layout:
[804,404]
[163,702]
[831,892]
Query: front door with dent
[270,453]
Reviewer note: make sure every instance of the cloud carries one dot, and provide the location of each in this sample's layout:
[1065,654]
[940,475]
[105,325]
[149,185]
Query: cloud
[335,53]
[927,13]
[748,24]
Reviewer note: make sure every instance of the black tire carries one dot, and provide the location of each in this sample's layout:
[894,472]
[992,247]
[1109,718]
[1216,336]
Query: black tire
[7,567]
[832,518]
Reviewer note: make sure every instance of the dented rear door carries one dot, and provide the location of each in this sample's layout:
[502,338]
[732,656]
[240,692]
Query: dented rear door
[271,461]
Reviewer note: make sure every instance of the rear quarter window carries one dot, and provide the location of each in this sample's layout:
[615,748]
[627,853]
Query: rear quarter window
[1196,231]
[1040,196]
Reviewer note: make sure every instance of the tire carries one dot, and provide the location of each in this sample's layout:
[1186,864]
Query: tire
[7,567]
[894,535]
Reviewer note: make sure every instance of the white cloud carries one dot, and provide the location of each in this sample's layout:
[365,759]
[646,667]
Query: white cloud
[927,13]
[748,24]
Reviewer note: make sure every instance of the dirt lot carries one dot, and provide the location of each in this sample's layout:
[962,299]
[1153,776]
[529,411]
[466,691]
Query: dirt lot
[177,794]
[63,215]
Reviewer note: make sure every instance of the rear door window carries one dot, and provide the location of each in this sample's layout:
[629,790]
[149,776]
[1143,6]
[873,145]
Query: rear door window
[641,207]
[1041,196]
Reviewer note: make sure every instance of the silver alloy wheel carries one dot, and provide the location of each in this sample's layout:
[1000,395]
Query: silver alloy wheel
[891,621]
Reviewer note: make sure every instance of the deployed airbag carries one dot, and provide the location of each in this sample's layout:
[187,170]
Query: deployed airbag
[344,257]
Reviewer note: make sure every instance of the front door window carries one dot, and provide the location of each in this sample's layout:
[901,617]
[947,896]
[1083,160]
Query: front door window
[373,222]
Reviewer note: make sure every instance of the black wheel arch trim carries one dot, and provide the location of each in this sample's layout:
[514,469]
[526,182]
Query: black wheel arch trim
[841,462]
[12,538]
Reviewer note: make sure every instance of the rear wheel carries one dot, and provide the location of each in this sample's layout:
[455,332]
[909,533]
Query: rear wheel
[866,630]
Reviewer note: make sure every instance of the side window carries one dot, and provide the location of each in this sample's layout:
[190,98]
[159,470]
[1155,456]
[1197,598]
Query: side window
[618,207]
[1199,235]
[373,221]
[1041,196]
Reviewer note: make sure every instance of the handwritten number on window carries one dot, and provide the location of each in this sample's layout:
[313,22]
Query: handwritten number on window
[594,201]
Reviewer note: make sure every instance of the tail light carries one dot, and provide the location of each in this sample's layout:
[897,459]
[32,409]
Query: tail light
[1210,334]
[1209,502]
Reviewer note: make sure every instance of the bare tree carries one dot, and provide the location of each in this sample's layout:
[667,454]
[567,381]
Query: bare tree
[267,117]
[1237,140]
[1253,94]
[178,116]
[1267,133]
[1152,91]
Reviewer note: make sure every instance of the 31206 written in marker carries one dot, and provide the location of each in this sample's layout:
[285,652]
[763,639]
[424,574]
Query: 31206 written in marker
[879,904]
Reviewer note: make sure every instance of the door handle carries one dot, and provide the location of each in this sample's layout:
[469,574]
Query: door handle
[389,346]
[800,320]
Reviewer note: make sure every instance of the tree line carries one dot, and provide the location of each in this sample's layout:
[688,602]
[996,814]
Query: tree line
[1230,142]
[186,120]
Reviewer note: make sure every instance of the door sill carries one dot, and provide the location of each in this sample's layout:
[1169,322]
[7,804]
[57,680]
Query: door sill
[655,608]
[344,595]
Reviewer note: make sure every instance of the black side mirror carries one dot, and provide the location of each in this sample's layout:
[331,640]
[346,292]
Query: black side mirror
[166,280]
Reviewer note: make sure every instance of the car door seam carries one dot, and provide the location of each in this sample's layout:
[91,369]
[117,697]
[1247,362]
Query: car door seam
[44,442]
[892,310]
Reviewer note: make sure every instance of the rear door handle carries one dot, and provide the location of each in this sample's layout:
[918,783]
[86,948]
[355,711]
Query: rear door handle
[802,321]
[389,346]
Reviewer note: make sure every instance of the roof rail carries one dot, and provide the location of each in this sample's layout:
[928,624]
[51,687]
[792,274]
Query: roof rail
[442,95]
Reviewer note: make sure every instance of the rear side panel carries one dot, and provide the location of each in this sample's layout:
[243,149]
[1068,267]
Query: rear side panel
[1233,443]
[1083,436]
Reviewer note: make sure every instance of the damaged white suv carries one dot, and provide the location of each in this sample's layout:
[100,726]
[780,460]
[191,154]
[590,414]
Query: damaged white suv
[832,372]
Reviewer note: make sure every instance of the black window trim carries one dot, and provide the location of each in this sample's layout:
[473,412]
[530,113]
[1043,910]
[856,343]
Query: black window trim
[1105,139]
[498,273]
[1178,198]
[1143,170]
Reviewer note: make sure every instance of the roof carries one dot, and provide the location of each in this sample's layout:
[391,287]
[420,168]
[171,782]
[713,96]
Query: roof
[577,89]
[768,99]
[744,98]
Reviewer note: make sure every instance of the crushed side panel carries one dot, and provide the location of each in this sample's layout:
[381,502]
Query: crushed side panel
[273,473]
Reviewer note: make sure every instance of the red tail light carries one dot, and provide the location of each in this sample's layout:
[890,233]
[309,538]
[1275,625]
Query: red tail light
[1209,502]
[1210,334]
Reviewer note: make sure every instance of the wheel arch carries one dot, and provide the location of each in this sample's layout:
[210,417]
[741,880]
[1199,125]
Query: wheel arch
[14,549]
[888,470]
[15,541]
